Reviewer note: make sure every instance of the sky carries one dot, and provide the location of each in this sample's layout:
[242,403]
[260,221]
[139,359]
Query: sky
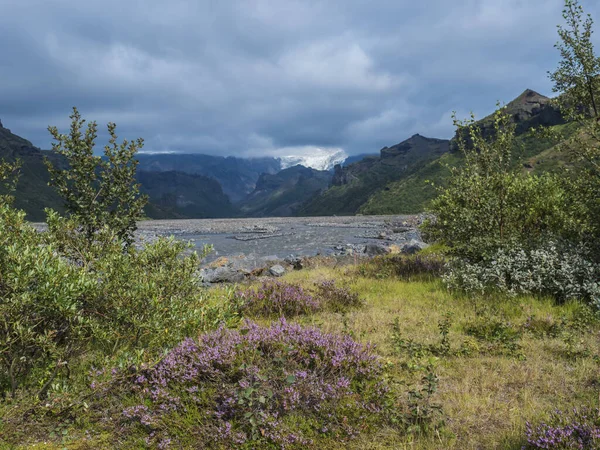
[269,77]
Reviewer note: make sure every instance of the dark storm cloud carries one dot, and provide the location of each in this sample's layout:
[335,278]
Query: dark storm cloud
[257,76]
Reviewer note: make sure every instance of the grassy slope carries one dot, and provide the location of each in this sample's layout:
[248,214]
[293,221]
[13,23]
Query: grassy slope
[486,399]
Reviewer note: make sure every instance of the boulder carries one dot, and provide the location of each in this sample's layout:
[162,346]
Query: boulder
[221,275]
[413,246]
[294,261]
[372,249]
[277,270]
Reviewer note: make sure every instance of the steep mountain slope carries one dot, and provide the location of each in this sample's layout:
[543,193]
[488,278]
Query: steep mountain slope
[353,185]
[284,193]
[181,195]
[412,194]
[237,176]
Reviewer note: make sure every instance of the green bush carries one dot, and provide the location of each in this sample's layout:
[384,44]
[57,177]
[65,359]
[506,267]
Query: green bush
[61,294]
[41,295]
[490,204]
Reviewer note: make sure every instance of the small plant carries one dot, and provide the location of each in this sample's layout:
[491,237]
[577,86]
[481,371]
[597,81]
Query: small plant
[443,347]
[416,350]
[401,345]
[579,429]
[423,415]
[279,299]
[574,346]
[336,299]
[500,336]
[542,327]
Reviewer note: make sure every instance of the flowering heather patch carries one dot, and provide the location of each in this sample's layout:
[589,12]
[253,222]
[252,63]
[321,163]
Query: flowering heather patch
[280,386]
[276,298]
[338,299]
[579,430]
[405,267]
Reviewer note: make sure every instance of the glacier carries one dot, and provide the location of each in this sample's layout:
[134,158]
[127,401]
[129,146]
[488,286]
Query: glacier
[318,158]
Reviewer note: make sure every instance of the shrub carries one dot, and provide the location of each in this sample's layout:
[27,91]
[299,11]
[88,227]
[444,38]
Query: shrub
[280,299]
[41,296]
[276,298]
[562,272]
[489,203]
[337,299]
[146,296]
[403,266]
[579,429]
[61,295]
[281,385]
[8,180]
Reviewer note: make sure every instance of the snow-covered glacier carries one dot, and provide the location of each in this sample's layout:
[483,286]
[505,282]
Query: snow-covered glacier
[318,158]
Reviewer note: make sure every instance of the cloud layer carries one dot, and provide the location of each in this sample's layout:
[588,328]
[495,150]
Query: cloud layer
[255,77]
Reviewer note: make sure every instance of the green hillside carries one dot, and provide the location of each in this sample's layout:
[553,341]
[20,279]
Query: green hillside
[369,187]
[353,185]
[412,194]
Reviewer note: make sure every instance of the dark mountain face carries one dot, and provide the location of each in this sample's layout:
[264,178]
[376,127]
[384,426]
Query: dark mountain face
[284,193]
[355,158]
[171,194]
[175,194]
[237,176]
[33,193]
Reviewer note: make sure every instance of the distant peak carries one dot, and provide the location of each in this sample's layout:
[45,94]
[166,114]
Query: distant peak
[1,124]
[421,137]
[529,95]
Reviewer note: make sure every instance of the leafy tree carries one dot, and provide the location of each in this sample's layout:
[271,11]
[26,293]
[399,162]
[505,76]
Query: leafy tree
[577,75]
[98,192]
[577,79]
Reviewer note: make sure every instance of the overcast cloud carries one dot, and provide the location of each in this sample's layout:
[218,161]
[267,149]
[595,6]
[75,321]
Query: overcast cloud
[258,77]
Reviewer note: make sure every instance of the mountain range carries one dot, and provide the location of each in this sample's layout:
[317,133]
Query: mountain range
[396,180]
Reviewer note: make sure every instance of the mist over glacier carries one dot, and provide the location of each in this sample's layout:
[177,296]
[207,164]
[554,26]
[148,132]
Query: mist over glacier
[317,158]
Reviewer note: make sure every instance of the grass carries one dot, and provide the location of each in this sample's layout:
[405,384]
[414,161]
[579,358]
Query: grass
[486,397]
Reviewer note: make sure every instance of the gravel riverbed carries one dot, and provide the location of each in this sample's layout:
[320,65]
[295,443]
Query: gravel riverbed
[283,236]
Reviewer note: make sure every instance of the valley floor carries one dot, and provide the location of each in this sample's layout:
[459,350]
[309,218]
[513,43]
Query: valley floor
[490,383]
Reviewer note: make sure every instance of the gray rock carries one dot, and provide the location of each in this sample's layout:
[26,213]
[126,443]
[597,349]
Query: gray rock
[277,270]
[294,261]
[221,275]
[376,249]
[413,246]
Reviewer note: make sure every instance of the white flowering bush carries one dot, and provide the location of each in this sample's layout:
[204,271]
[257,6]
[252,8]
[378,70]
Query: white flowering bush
[559,271]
